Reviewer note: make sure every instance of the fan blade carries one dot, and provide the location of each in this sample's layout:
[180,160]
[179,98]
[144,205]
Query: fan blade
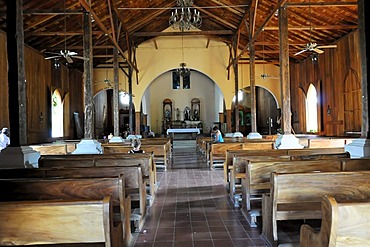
[300,52]
[53,57]
[69,59]
[71,53]
[318,51]
[52,53]
[79,57]
[326,46]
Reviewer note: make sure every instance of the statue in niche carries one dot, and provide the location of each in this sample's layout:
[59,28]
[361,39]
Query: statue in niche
[196,115]
[187,113]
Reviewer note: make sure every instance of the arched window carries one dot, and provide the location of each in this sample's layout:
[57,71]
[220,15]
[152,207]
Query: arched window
[56,114]
[311,106]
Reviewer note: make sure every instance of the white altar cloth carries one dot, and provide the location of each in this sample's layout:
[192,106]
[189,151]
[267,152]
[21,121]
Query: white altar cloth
[184,130]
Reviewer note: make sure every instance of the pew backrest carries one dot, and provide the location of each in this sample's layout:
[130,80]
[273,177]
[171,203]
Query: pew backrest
[57,222]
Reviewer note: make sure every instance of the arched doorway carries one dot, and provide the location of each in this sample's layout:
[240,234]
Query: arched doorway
[311,106]
[56,114]
[267,111]
[104,115]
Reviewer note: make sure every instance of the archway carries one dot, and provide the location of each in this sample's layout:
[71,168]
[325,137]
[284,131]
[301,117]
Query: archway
[104,113]
[267,111]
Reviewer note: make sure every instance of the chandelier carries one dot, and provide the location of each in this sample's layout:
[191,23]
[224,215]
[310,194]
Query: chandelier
[182,18]
[182,70]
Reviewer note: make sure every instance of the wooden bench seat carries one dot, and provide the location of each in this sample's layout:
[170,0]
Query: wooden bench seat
[58,222]
[257,181]
[230,154]
[161,151]
[22,189]
[298,196]
[146,161]
[345,223]
[239,167]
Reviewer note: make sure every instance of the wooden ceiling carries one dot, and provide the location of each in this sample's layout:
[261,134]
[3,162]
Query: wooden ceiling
[53,25]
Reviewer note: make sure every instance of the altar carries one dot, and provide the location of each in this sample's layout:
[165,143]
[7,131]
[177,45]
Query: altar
[192,131]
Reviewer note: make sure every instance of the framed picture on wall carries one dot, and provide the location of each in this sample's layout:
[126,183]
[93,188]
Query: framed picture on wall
[175,80]
[186,82]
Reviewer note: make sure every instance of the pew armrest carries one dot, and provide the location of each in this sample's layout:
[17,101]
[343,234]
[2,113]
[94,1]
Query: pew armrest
[310,237]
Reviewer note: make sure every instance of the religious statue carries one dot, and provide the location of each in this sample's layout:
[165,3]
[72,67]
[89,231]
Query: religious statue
[187,113]
[177,114]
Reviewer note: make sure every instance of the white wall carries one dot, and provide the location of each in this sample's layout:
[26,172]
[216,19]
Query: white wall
[201,87]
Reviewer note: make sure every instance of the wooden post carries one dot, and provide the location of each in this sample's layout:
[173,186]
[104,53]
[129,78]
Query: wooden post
[252,73]
[284,70]
[16,74]
[221,117]
[364,56]
[131,105]
[228,120]
[137,122]
[87,76]
[115,92]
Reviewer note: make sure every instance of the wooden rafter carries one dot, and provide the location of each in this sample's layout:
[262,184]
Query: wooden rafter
[86,6]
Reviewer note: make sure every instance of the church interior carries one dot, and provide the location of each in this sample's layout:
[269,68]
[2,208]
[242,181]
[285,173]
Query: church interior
[283,81]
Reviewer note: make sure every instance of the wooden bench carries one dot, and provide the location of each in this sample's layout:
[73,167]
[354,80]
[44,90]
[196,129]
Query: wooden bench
[230,154]
[328,142]
[257,180]
[343,224]
[295,196]
[239,167]
[54,148]
[62,188]
[146,161]
[161,151]
[58,222]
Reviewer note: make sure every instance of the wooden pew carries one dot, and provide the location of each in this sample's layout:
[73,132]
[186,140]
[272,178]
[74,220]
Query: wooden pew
[58,222]
[21,189]
[239,167]
[257,180]
[161,151]
[295,196]
[343,224]
[276,152]
[146,161]
[328,142]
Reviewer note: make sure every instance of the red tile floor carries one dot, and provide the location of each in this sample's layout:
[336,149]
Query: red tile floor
[192,208]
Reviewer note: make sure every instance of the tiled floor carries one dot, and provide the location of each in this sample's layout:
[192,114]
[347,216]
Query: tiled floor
[192,209]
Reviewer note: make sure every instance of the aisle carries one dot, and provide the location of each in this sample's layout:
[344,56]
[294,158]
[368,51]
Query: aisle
[192,209]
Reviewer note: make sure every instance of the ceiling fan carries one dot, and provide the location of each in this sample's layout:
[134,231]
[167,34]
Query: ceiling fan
[264,75]
[312,46]
[66,54]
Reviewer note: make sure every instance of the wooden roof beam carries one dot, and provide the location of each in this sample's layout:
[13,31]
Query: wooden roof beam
[86,6]
[155,34]
[322,4]
[325,27]
[268,18]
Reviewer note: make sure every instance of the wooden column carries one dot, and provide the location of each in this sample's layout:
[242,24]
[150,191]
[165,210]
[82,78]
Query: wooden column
[236,108]
[137,122]
[87,76]
[252,73]
[228,120]
[284,70]
[364,56]
[145,119]
[221,117]
[131,105]
[115,93]
[16,74]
